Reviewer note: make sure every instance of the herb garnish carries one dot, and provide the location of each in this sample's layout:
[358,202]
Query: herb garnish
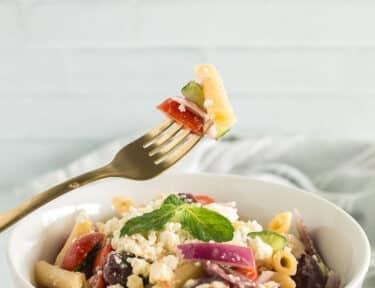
[200,222]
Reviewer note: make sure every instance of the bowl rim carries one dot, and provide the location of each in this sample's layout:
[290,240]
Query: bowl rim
[356,280]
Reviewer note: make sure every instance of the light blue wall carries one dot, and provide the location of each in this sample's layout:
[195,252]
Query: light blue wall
[75,74]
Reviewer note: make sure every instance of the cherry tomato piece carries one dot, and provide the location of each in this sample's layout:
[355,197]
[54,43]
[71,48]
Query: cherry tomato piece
[203,199]
[101,256]
[250,272]
[185,117]
[79,250]
[96,281]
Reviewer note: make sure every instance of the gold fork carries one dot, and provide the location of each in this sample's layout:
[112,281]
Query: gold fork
[142,159]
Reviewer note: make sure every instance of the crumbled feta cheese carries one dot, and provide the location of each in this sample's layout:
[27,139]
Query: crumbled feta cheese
[154,245]
[190,283]
[227,211]
[115,286]
[262,251]
[208,102]
[160,272]
[241,231]
[142,246]
[140,267]
[170,240]
[162,285]
[254,226]
[134,281]
[171,261]
[111,225]
[215,284]
[271,284]
[181,108]
[172,236]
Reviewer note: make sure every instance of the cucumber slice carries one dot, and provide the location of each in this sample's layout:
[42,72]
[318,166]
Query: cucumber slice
[323,267]
[193,92]
[221,133]
[275,240]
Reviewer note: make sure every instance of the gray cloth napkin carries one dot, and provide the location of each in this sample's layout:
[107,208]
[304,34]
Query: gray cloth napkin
[340,170]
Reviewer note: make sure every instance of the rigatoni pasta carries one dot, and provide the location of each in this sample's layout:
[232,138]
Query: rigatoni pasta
[82,227]
[281,223]
[122,204]
[284,280]
[284,262]
[51,276]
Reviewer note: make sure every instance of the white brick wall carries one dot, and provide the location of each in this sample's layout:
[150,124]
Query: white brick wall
[76,73]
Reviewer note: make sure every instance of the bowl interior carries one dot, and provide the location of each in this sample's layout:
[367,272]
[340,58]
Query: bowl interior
[340,239]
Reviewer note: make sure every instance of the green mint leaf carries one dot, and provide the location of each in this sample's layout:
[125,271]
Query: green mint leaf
[173,200]
[201,223]
[154,220]
[205,224]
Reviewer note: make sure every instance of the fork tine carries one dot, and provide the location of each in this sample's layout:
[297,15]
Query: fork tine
[163,126]
[159,151]
[163,137]
[178,152]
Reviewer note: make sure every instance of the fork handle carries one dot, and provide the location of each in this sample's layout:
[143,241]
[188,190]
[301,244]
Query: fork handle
[12,216]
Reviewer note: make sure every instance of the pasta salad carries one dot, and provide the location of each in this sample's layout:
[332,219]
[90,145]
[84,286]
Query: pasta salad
[185,240]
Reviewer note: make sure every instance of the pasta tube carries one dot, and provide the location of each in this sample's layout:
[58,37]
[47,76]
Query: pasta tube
[122,204]
[82,227]
[281,223]
[284,262]
[51,276]
[284,280]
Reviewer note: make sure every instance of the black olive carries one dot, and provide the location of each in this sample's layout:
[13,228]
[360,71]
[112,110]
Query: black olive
[187,197]
[309,274]
[117,269]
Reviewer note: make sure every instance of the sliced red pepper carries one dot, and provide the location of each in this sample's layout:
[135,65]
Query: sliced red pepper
[101,256]
[203,199]
[79,250]
[96,281]
[249,272]
[187,118]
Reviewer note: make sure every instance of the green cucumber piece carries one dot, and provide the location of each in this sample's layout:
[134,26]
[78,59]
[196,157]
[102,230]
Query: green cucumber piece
[275,240]
[221,132]
[323,267]
[193,92]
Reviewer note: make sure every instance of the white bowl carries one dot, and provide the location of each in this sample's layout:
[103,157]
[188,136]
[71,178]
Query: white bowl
[341,240]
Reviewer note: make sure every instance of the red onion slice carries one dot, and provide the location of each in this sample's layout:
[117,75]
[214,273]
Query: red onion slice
[192,107]
[225,254]
[304,235]
[333,280]
[236,280]
[211,131]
